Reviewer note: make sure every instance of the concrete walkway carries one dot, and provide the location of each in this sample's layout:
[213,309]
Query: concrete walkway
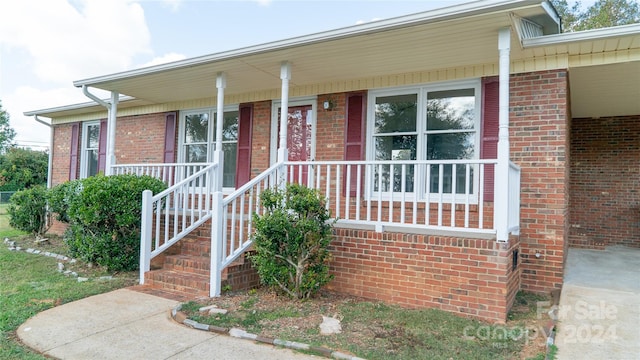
[599,309]
[126,324]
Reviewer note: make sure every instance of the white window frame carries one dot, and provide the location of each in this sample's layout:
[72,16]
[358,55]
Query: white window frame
[84,160]
[422,182]
[211,133]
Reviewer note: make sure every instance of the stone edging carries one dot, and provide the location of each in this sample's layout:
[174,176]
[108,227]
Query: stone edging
[180,317]
[11,245]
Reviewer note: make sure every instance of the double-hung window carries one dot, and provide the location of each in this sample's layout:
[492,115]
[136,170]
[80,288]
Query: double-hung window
[90,149]
[438,123]
[198,138]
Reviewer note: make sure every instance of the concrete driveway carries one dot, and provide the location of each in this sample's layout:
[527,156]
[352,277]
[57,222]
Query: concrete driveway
[599,308]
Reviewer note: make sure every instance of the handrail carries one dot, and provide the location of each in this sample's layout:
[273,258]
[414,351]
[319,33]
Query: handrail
[172,214]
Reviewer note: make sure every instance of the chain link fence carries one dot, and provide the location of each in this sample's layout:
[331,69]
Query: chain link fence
[5,196]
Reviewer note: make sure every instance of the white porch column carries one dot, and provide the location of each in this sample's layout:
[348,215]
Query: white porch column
[218,155]
[501,190]
[285,76]
[111,133]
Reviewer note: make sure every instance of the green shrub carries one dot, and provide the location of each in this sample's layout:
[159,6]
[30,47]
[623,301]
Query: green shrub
[28,210]
[292,239]
[60,196]
[104,218]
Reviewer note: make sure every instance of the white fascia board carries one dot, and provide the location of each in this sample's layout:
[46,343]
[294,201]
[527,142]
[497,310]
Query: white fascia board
[587,35]
[43,112]
[432,16]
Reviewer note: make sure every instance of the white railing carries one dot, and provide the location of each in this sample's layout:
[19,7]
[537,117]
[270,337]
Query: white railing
[172,214]
[169,173]
[413,196]
[513,223]
[424,195]
[232,224]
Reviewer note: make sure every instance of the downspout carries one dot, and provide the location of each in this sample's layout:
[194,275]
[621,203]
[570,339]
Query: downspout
[112,111]
[49,166]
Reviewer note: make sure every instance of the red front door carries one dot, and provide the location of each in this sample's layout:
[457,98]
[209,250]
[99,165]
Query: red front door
[299,138]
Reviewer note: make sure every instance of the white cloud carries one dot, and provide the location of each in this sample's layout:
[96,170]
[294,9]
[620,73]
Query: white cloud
[174,5]
[58,41]
[166,58]
[68,43]
[27,98]
[264,2]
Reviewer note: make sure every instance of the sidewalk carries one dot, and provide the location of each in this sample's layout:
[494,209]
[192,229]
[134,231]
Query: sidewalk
[126,324]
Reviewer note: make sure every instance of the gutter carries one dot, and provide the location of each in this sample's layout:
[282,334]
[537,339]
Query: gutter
[587,35]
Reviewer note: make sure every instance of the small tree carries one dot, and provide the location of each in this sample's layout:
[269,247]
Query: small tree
[7,134]
[28,210]
[22,169]
[291,241]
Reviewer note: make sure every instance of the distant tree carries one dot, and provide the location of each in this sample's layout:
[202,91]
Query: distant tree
[603,13]
[7,134]
[22,169]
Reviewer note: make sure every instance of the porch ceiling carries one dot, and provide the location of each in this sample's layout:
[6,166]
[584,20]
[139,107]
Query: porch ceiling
[605,90]
[451,37]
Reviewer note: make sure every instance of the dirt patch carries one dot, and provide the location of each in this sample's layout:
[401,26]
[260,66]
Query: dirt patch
[271,315]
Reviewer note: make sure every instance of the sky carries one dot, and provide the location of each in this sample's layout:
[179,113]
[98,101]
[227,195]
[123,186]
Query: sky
[45,45]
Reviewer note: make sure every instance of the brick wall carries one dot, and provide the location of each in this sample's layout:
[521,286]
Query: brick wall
[140,139]
[539,136]
[261,141]
[61,153]
[605,182]
[471,277]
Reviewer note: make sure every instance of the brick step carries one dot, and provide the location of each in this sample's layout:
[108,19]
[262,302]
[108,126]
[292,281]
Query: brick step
[190,284]
[187,263]
[196,248]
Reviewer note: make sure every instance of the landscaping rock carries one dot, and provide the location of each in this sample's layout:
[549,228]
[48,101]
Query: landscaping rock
[330,326]
[60,267]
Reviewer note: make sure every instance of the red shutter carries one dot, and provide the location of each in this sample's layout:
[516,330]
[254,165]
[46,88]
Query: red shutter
[243,150]
[354,139]
[73,153]
[102,146]
[489,135]
[170,138]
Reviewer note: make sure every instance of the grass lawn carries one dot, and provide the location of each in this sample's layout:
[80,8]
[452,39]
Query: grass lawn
[31,284]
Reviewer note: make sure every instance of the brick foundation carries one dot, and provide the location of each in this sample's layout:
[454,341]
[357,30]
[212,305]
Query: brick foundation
[605,178]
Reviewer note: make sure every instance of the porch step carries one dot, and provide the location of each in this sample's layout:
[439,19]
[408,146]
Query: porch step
[196,248]
[187,264]
[190,284]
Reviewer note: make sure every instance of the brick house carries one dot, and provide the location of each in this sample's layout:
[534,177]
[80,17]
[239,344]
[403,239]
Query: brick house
[463,149]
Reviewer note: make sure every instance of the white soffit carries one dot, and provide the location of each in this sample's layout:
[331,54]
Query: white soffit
[605,90]
[462,35]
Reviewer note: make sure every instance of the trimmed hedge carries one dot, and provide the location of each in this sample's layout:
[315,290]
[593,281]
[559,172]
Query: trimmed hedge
[104,213]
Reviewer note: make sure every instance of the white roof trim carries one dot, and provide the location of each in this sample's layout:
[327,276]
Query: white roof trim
[587,35]
[432,16]
[84,105]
